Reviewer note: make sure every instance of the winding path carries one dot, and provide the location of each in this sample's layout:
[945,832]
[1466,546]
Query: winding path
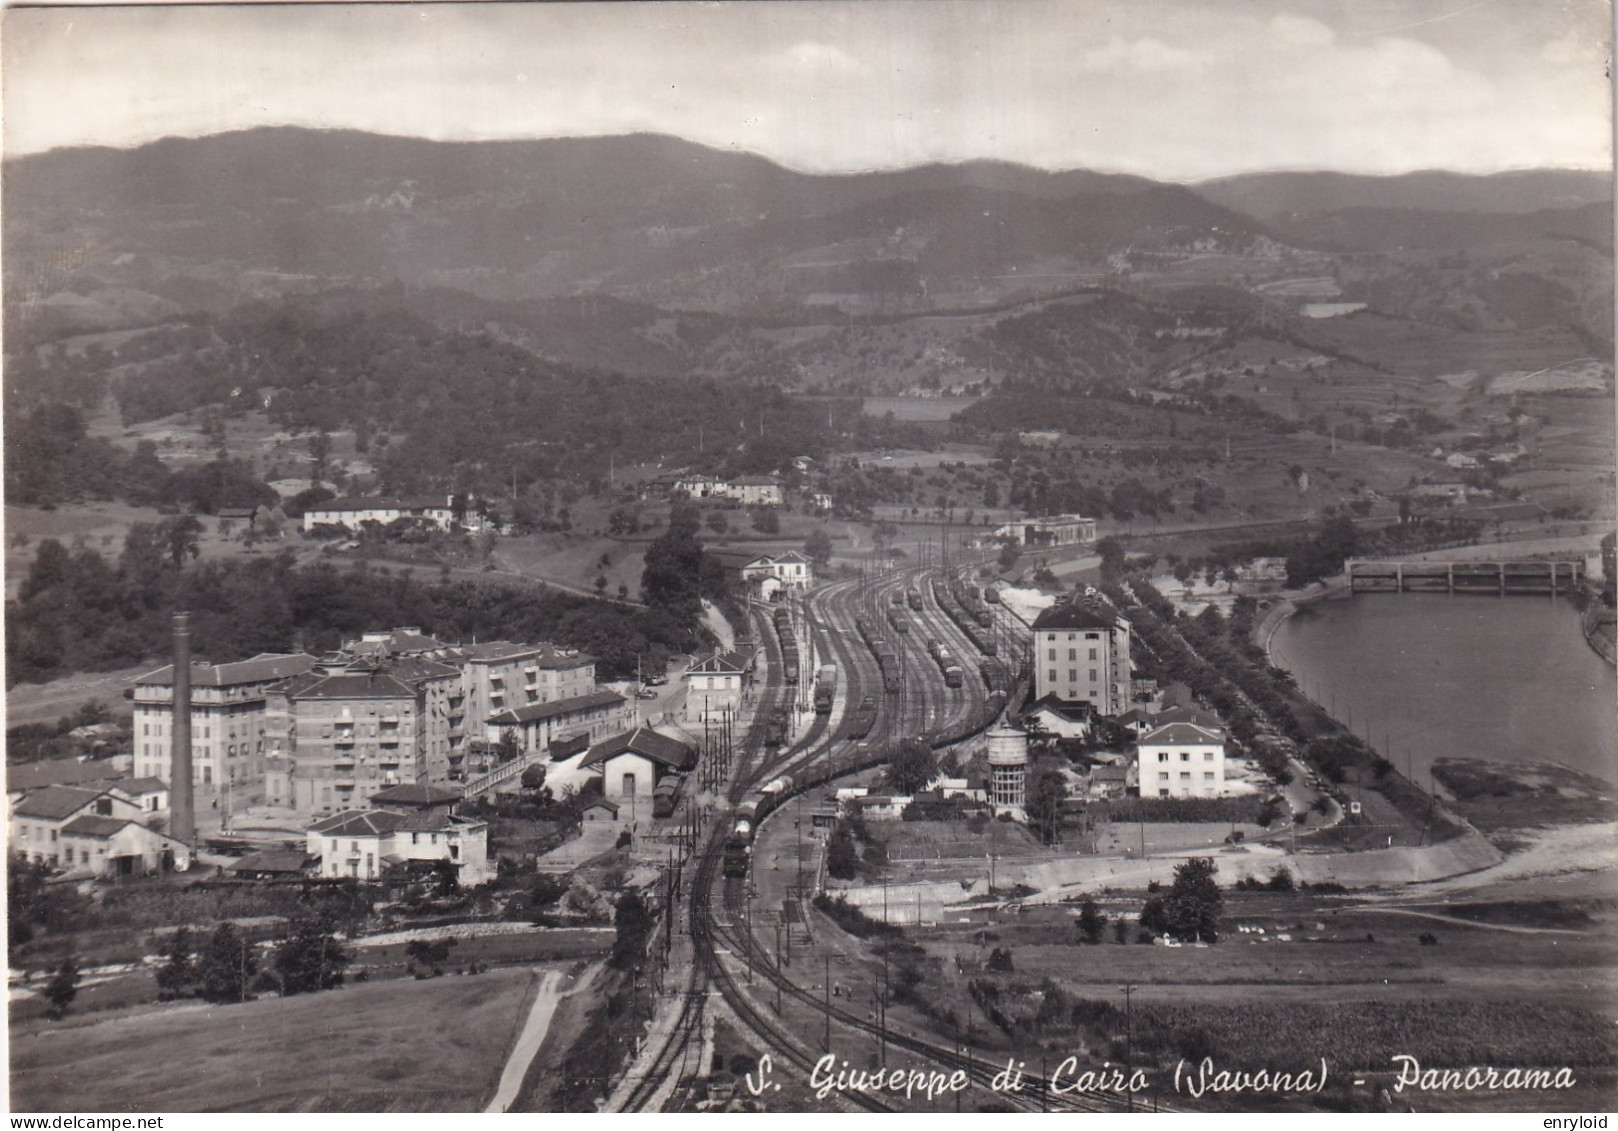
[532,1036]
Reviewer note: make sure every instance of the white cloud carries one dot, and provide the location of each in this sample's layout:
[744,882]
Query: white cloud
[1300,31]
[1147,55]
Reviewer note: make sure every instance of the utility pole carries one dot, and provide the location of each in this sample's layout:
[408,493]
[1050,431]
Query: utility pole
[1128,989]
[828,1002]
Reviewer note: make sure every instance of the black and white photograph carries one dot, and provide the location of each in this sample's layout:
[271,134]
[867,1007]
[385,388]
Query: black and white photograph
[810,557]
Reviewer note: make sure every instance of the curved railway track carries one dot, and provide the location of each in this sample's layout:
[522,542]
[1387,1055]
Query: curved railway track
[716,906]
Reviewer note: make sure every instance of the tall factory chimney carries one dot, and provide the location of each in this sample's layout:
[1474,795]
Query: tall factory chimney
[182,807]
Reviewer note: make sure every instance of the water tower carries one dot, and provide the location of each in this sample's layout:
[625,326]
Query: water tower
[1008,767]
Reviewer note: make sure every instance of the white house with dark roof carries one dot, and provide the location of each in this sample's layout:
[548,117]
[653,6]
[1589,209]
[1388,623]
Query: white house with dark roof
[542,726]
[631,763]
[229,716]
[118,847]
[1181,759]
[1081,655]
[716,686]
[37,820]
[766,575]
[364,844]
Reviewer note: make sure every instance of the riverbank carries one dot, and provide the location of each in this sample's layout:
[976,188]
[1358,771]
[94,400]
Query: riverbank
[1264,630]
[1591,623]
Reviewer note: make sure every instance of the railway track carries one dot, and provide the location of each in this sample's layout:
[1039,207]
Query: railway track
[716,906]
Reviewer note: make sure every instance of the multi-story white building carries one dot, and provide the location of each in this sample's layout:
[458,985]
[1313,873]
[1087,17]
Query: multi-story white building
[715,687]
[500,676]
[1181,760]
[363,844]
[1081,655]
[228,722]
[348,729]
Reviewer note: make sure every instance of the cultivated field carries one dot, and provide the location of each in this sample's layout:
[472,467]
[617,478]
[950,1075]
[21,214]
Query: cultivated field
[435,1045]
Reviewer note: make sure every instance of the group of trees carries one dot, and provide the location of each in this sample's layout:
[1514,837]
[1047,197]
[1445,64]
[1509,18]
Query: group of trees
[226,967]
[677,574]
[1190,910]
[50,458]
[76,611]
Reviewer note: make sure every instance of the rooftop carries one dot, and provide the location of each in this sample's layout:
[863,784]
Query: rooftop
[416,793]
[556,708]
[266,667]
[1182,734]
[97,828]
[23,777]
[1075,615]
[648,743]
[55,802]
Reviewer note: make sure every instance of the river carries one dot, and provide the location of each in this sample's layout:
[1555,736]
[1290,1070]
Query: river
[1431,676]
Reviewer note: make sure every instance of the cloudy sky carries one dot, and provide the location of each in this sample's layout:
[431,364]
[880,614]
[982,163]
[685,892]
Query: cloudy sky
[1175,89]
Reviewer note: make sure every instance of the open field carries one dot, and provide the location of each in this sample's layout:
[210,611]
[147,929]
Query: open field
[434,1045]
[1496,795]
[918,408]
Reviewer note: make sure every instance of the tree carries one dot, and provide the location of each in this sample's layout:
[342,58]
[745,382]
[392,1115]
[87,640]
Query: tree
[1091,922]
[718,523]
[1193,904]
[175,976]
[842,859]
[632,923]
[180,536]
[1010,552]
[911,766]
[533,777]
[1000,961]
[1120,931]
[311,958]
[63,987]
[1046,792]
[817,547]
[509,747]
[766,521]
[672,578]
[226,968]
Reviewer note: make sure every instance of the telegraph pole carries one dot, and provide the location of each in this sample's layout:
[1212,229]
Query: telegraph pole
[1128,989]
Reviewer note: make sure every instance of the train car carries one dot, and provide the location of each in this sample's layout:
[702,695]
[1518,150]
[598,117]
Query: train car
[778,786]
[738,856]
[825,688]
[898,620]
[898,598]
[890,672]
[952,676]
[864,717]
[775,729]
[913,598]
[667,795]
[991,595]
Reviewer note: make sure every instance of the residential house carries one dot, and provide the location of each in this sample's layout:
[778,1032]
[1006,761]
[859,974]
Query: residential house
[435,513]
[1052,715]
[1081,655]
[1181,760]
[229,720]
[757,491]
[365,844]
[38,819]
[632,762]
[119,847]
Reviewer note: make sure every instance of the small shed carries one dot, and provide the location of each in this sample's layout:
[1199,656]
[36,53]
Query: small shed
[600,811]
